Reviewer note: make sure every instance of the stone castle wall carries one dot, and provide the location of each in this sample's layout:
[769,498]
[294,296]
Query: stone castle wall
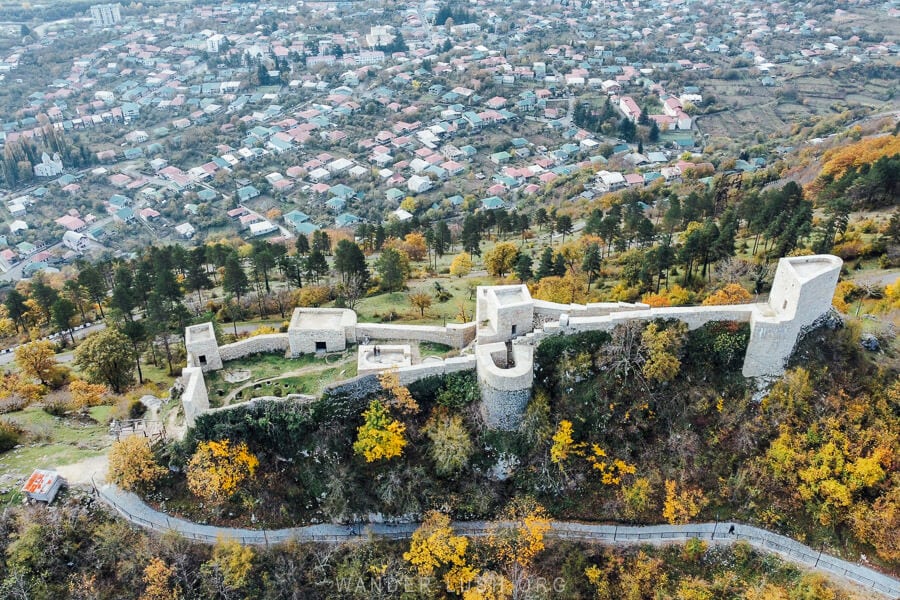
[454,335]
[194,398]
[505,387]
[271,343]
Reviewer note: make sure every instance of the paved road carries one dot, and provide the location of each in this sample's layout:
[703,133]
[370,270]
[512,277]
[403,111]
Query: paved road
[135,510]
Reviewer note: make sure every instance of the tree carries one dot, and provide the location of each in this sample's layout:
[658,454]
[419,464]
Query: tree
[662,347]
[197,277]
[563,444]
[7,325]
[393,268]
[62,312]
[234,279]
[399,395]
[231,565]
[501,259]
[91,279]
[15,306]
[471,235]
[564,226]
[350,263]
[435,552]
[420,300]
[158,581]
[733,293]
[107,357]
[85,395]
[380,436]
[523,267]
[219,469]
[302,244]
[519,538]
[37,360]
[133,466]
[591,262]
[451,446]
[681,506]
[461,265]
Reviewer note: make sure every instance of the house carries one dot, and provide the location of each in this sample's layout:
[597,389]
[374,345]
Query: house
[186,230]
[402,215]
[248,192]
[492,203]
[336,204]
[346,220]
[608,181]
[500,158]
[48,167]
[418,184]
[70,222]
[148,214]
[262,227]
[125,214]
[75,241]
[629,108]
[295,218]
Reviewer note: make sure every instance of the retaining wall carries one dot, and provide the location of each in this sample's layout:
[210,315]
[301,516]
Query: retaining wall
[274,343]
[454,335]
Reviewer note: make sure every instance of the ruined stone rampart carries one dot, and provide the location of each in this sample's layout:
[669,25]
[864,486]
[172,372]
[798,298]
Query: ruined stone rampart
[269,343]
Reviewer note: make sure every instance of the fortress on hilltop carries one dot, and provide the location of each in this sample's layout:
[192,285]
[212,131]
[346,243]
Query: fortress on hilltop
[508,324]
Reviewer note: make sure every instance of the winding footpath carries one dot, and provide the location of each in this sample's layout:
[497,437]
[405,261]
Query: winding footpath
[138,512]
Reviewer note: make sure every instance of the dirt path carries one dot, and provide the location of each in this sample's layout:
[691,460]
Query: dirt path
[80,473]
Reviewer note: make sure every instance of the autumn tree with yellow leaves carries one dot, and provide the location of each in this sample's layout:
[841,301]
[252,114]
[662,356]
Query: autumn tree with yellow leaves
[158,581]
[218,469]
[132,464]
[435,552]
[398,394]
[86,395]
[682,503]
[380,437]
[517,540]
[733,293]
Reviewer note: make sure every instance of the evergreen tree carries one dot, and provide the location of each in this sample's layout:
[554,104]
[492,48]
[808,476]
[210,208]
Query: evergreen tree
[523,267]
[234,280]
[591,262]
[545,266]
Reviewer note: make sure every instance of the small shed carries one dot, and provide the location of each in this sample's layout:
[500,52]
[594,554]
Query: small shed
[43,485]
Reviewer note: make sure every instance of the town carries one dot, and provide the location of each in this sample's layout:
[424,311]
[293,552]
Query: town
[450,299]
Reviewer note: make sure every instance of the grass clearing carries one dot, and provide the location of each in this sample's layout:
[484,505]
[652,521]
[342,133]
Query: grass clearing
[51,442]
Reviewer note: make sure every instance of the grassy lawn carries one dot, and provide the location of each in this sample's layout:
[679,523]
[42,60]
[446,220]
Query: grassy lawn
[52,442]
[267,366]
[379,308]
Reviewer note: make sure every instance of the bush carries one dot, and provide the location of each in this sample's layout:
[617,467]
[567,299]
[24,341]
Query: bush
[55,406]
[458,390]
[9,435]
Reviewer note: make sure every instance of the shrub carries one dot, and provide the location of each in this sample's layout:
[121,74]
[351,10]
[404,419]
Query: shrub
[458,390]
[9,435]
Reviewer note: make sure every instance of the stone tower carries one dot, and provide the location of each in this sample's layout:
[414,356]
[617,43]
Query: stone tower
[801,293]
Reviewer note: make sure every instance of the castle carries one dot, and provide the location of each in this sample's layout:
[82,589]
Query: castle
[509,323]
